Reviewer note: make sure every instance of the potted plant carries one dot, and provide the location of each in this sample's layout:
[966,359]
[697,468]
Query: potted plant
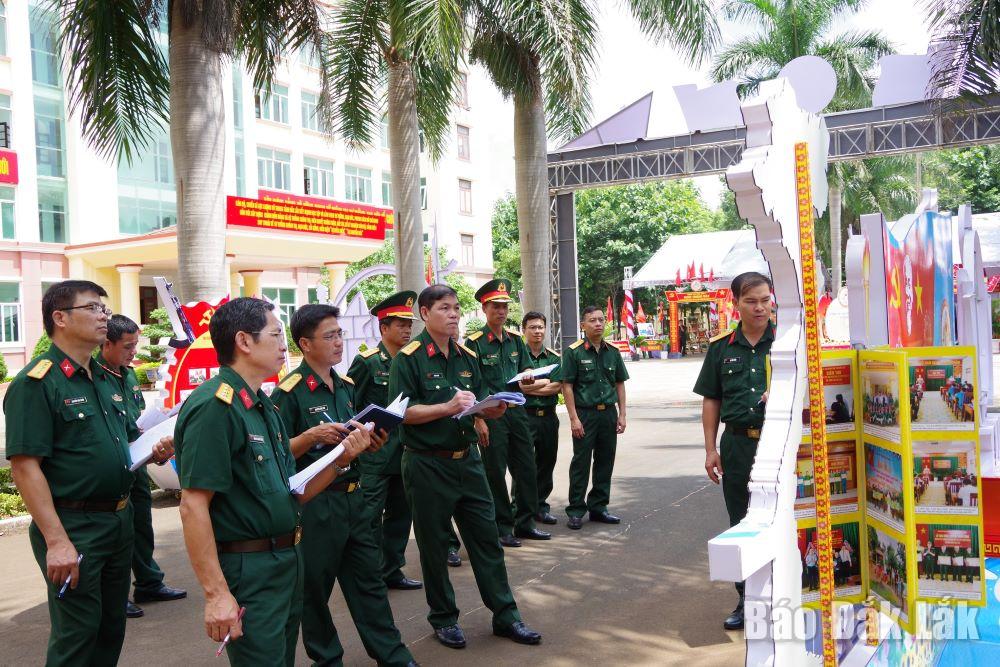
[637,347]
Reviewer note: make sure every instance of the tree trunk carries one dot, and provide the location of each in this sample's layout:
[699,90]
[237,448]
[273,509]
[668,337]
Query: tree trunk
[404,159]
[836,248]
[531,185]
[198,142]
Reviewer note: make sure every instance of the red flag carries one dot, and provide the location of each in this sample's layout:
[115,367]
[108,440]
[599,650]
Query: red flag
[691,271]
[640,316]
[701,271]
[611,311]
[711,275]
[678,280]
[429,274]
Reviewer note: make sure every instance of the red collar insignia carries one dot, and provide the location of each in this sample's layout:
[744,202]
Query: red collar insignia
[245,397]
[431,349]
[586,345]
[489,337]
[311,383]
[67,367]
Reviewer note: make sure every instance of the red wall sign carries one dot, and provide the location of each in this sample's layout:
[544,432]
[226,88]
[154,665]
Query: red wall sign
[286,212]
[8,167]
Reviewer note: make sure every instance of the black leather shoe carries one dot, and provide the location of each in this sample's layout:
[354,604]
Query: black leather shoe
[546,518]
[404,584]
[451,636]
[533,534]
[161,594]
[454,560]
[133,610]
[575,523]
[519,632]
[604,517]
[735,620]
[509,541]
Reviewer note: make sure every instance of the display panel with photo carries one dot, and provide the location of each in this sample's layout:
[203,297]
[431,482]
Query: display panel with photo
[842,464]
[942,395]
[945,478]
[884,485]
[949,561]
[838,397]
[846,560]
[887,568]
[880,398]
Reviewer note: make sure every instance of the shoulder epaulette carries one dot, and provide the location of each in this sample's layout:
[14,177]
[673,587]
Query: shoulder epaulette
[346,378]
[471,353]
[40,369]
[411,348]
[512,331]
[224,393]
[551,351]
[289,382]
[576,344]
[368,353]
[719,336]
[475,336]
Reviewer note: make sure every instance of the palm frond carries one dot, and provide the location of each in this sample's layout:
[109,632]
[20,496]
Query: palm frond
[434,29]
[116,74]
[687,25]
[436,85]
[965,36]
[747,58]
[761,12]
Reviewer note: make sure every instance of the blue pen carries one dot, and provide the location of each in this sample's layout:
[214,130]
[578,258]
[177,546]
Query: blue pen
[62,591]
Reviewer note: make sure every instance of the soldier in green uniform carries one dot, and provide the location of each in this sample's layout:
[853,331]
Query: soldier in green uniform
[241,520]
[506,442]
[733,384]
[381,477]
[543,396]
[115,358]
[593,382]
[443,473]
[338,541]
[67,440]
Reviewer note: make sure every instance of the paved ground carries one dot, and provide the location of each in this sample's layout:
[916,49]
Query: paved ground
[632,594]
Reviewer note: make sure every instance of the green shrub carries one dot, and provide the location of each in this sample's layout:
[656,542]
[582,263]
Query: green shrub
[7,481]
[293,349]
[145,373]
[11,504]
[3,368]
[473,325]
[42,346]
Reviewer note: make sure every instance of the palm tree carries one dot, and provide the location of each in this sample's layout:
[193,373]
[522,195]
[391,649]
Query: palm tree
[788,29]
[967,32]
[120,85]
[400,54]
[540,53]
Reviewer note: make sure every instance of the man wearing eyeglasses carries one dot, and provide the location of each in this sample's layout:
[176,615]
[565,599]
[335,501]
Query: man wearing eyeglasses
[67,439]
[338,542]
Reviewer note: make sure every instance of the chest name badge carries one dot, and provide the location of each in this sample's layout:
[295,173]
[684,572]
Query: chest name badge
[76,401]
[586,362]
[732,360]
[382,374]
[256,438]
[435,376]
[316,409]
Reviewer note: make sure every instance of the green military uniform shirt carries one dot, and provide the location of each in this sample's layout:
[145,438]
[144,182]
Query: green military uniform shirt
[735,372]
[302,398]
[134,403]
[499,358]
[593,372]
[230,440]
[547,357]
[424,375]
[78,426]
[370,373]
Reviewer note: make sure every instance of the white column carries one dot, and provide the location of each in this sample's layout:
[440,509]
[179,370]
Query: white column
[251,282]
[234,277]
[338,277]
[128,290]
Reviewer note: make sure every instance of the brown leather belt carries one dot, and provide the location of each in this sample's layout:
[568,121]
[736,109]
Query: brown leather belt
[441,453]
[752,433]
[600,407]
[91,505]
[343,487]
[542,412]
[285,541]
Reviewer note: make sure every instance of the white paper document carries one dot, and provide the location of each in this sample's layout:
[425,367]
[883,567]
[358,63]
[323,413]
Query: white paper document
[154,415]
[141,450]
[298,482]
[493,401]
[534,372]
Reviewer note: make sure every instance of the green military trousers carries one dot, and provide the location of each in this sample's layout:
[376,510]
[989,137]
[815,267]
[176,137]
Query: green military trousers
[338,544]
[88,624]
[598,444]
[269,585]
[148,575]
[391,520]
[737,453]
[510,449]
[439,489]
[545,440]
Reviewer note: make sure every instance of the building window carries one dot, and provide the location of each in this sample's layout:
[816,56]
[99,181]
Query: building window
[318,176]
[358,184]
[284,301]
[312,294]
[5,120]
[52,211]
[309,119]
[464,151]
[468,254]
[147,198]
[423,143]
[49,137]
[384,133]
[387,188]
[44,54]
[274,169]
[240,155]
[308,56]
[463,90]
[423,193]
[464,196]
[7,213]
[10,312]
[272,105]
[3,29]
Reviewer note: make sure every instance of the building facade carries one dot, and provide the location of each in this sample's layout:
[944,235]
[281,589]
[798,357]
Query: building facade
[66,211]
